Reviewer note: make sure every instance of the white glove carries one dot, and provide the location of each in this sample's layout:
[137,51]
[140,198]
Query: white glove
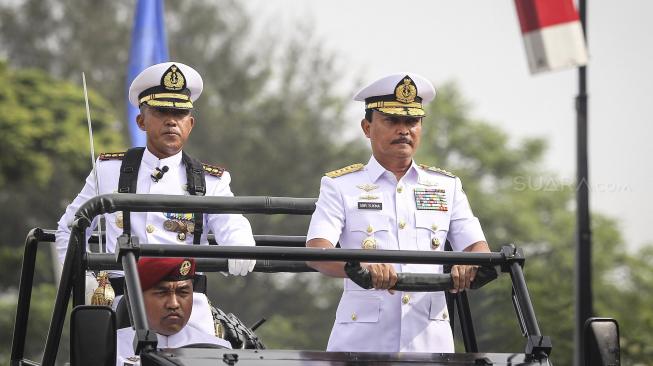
[241,267]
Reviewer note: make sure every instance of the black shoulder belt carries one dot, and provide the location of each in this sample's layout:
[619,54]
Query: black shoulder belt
[129,178]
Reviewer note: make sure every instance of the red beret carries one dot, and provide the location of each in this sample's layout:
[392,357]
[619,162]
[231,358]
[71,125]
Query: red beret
[154,270]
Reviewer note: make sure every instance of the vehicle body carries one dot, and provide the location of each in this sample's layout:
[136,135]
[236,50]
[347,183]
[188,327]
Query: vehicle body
[93,327]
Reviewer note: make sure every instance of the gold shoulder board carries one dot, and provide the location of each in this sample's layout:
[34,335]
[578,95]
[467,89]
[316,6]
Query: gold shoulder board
[346,170]
[437,170]
[213,170]
[112,156]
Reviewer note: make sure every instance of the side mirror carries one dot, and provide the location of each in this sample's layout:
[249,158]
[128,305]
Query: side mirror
[92,336]
[601,342]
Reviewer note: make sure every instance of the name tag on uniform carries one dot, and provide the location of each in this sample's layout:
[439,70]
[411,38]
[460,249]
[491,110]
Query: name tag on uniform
[370,205]
[431,199]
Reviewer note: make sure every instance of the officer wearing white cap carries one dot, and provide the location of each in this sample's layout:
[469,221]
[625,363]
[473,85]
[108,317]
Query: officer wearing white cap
[393,203]
[164,94]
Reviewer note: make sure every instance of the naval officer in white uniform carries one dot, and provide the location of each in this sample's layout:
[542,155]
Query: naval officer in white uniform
[167,285]
[165,94]
[393,203]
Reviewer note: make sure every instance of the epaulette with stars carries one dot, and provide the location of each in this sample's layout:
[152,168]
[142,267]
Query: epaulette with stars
[213,170]
[112,156]
[437,170]
[346,170]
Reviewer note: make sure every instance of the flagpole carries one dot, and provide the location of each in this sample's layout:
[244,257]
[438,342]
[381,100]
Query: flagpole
[583,231]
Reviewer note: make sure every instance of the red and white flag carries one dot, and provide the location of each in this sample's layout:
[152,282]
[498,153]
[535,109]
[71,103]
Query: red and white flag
[553,35]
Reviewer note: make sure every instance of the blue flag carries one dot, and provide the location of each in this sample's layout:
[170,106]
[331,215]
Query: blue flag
[149,46]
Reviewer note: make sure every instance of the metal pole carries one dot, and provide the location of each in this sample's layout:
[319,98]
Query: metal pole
[583,233]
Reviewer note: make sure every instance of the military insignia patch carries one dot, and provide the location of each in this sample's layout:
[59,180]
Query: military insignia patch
[184,269]
[367,187]
[346,170]
[213,170]
[406,91]
[180,223]
[111,156]
[426,182]
[369,197]
[437,170]
[431,199]
[173,79]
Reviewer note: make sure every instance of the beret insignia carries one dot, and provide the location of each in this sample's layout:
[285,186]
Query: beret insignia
[184,268]
[346,170]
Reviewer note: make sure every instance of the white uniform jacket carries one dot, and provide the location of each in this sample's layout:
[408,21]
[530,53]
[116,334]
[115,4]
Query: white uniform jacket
[187,335]
[369,208]
[229,229]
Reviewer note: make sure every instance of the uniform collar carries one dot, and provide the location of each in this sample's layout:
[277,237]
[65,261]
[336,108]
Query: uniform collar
[376,170]
[154,162]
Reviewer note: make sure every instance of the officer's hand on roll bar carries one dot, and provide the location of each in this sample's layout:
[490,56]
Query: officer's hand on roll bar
[418,282]
[384,276]
[462,277]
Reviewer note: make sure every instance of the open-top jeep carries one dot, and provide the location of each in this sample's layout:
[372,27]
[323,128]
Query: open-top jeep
[93,328]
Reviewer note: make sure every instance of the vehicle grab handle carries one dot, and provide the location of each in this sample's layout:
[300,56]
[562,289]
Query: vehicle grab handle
[419,282]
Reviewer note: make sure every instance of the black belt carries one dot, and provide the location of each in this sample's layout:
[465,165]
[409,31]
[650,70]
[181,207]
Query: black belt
[118,284]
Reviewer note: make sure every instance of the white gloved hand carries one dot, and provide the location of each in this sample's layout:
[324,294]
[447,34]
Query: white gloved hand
[241,267]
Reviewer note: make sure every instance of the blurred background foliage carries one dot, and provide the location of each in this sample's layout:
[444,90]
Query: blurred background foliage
[272,113]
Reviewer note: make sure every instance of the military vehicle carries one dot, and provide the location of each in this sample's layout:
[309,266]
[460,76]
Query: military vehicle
[93,328]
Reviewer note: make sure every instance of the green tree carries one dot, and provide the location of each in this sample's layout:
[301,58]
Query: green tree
[44,146]
[44,150]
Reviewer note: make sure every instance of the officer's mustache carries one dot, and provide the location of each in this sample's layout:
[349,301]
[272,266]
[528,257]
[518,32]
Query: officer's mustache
[173,313]
[402,140]
[171,131]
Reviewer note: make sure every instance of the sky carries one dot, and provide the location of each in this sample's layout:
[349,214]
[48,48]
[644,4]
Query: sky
[478,45]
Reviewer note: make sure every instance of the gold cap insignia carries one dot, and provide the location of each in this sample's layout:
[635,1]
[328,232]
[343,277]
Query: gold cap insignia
[173,79]
[184,269]
[406,91]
